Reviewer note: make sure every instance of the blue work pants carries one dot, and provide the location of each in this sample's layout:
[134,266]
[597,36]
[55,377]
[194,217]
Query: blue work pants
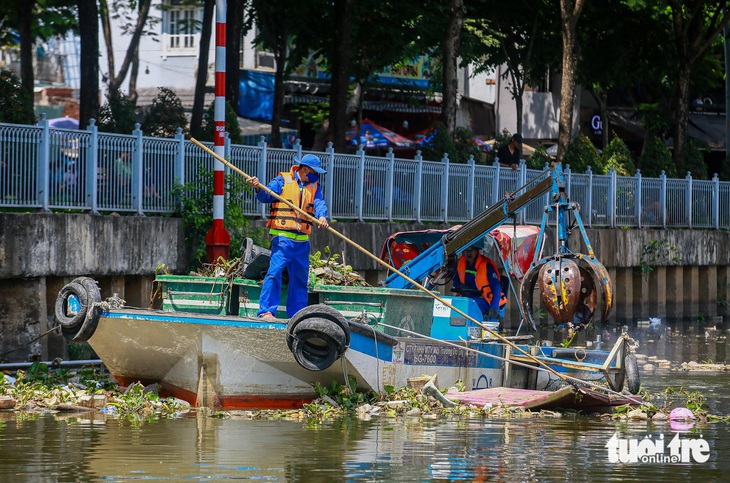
[293,256]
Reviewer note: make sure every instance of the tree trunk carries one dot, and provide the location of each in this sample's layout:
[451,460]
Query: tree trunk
[201,78]
[281,54]
[25,17]
[89,59]
[234,31]
[106,29]
[450,56]
[681,113]
[133,73]
[340,71]
[569,14]
[116,79]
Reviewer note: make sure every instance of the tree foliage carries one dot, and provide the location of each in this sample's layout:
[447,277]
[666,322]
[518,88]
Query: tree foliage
[118,114]
[16,106]
[165,116]
[459,147]
[196,201]
[617,155]
[657,158]
[580,154]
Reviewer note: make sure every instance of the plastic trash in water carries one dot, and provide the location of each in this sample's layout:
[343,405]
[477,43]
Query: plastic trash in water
[681,419]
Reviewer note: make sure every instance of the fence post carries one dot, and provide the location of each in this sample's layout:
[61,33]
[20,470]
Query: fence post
[43,184]
[612,197]
[638,209]
[688,208]
[137,171]
[179,168]
[261,172]
[329,187]
[418,186]
[716,202]
[663,198]
[470,188]
[495,184]
[298,148]
[520,217]
[389,184]
[92,168]
[589,195]
[359,182]
[445,189]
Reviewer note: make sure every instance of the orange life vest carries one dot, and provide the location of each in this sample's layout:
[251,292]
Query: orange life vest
[481,277]
[282,217]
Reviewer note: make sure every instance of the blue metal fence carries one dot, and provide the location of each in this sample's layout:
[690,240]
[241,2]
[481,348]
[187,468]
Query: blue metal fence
[57,169]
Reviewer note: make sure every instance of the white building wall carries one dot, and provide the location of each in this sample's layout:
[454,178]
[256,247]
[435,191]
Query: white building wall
[157,67]
[540,111]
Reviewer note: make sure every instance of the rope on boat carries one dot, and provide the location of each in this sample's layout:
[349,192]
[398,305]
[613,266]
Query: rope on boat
[377,260]
[573,381]
[55,329]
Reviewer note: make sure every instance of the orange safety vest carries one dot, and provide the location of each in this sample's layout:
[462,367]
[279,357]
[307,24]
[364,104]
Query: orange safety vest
[283,217]
[481,279]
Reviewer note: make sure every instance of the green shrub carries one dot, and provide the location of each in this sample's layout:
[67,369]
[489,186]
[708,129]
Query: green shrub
[657,158]
[197,214]
[580,154]
[693,160]
[117,114]
[165,115]
[539,158]
[618,156]
[459,147]
[16,106]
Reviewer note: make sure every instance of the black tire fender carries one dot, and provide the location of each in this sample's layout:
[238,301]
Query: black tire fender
[633,381]
[92,288]
[312,351]
[79,327]
[317,343]
[65,319]
[318,311]
[88,327]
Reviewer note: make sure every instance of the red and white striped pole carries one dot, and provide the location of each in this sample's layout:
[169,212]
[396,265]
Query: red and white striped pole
[218,240]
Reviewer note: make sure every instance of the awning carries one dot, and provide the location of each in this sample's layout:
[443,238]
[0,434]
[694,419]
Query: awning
[707,127]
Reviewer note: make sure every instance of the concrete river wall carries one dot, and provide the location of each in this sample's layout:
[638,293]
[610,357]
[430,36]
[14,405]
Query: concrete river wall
[41,252]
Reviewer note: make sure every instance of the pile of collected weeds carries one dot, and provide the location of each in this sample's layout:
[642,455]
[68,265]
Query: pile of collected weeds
[322,271]
[329,271]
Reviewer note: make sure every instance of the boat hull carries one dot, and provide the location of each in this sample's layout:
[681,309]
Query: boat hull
[238,362]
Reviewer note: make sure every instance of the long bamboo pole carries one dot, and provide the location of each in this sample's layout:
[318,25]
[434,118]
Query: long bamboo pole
[380,261]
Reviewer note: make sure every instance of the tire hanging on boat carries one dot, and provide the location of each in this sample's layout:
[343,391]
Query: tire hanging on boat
[71,303]
[633,382]
[77,309]
[317,336]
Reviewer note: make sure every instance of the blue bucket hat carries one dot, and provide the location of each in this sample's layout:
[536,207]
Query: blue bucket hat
[311,161]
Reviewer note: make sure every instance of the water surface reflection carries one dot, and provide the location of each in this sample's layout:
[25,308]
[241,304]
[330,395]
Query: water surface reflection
[58,448]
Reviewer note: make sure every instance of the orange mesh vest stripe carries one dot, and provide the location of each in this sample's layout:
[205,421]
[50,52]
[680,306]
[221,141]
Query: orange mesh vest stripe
[481,279]
[282,217]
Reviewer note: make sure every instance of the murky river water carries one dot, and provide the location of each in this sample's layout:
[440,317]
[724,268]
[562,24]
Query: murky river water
[62,447]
